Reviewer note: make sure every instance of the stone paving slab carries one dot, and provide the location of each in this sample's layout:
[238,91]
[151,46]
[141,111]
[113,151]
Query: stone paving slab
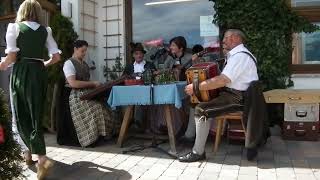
[278,160]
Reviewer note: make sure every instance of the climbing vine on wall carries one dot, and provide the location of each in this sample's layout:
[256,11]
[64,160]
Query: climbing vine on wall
[268,26]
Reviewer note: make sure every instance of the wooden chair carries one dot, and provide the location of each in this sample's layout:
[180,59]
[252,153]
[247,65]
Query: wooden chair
[220,120]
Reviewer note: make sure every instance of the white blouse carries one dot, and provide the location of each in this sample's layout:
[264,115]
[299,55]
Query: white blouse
[13,33]
[69,69]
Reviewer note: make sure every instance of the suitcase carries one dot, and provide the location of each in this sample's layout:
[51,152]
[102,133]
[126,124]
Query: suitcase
[301,112]
[301,121]
[301,131]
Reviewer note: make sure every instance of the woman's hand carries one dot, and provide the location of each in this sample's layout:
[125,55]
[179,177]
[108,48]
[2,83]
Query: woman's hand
[96,84]
[3,65]
[6,61]
[195,57]
[54,59]
[189,89]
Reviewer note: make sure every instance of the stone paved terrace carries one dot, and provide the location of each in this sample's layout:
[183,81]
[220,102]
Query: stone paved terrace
[279,160]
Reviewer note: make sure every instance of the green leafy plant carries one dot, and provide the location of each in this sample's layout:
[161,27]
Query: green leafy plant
[114,72]
[165,77]
[64,34]
[10,151]
[268,26]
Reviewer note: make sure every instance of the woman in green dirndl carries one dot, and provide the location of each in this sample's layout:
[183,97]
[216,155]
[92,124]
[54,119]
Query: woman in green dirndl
[26,42]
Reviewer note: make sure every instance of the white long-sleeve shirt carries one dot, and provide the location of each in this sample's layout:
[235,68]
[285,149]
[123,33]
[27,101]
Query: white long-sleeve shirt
[13,33]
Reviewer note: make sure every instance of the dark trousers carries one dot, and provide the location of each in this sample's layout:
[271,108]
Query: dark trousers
[229,100]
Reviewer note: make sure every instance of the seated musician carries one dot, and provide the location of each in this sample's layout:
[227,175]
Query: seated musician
[189,135]
[91,119]
[235,78]
[179,60]
[139,65]
[136,69]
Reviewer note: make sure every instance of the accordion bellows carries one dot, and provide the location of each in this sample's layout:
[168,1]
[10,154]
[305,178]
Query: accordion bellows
[202,72]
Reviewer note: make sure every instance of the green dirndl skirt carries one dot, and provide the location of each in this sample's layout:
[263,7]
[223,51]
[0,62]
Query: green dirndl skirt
[29,86]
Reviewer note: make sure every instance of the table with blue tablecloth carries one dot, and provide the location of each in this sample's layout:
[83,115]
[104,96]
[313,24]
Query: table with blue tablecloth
[166,94]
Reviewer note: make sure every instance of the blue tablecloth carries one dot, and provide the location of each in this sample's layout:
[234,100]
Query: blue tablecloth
[141,95]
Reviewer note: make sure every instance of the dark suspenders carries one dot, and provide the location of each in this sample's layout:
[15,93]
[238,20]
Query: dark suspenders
[252,57]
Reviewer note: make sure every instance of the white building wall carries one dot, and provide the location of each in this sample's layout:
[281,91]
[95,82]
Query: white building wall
[100,22]
[70,8]
[111,33]
[306,81]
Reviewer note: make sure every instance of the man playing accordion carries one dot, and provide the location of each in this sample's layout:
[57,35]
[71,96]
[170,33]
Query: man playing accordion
[234,80]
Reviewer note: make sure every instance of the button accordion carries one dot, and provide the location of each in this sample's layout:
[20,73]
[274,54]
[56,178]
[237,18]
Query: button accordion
[201,72]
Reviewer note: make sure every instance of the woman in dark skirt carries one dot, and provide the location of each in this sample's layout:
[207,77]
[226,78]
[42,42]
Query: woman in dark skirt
[66,133]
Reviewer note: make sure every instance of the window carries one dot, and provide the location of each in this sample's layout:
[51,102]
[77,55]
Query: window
[153,20]
[156,20]
[307,47]
[306,54]
[310,47]
[305,3]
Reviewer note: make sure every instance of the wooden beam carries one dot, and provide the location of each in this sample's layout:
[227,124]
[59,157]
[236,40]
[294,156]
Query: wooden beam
[89,15]
[45,4]
[311,13]
[128,30]
[305,68]
[88,30]
[92,1]
[8,17]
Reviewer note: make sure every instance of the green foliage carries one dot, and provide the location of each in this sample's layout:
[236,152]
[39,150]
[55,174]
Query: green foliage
[268,26]
[114,72]
[10,151]
[165,77]
[64,35]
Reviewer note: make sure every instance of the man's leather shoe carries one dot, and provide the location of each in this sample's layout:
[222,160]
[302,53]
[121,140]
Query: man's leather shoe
[192,157]
[251,153]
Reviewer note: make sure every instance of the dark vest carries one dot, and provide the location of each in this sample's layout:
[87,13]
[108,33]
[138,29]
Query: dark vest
[32,44]
[82,70]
